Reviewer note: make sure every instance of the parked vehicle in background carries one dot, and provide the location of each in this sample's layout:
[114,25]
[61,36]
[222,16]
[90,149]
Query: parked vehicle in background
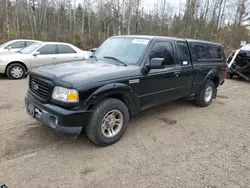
[16,45]
[15,65]
[126,75]
[239,63]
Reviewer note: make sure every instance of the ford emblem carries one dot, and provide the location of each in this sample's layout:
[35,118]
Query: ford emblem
[35,87]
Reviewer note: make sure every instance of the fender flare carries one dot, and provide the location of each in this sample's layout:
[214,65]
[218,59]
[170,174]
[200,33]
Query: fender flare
[213,75]
[128,94]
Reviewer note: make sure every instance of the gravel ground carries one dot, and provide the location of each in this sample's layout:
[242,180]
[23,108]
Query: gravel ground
[173,145]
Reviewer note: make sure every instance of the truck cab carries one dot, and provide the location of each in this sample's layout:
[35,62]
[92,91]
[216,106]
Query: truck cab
[124,76]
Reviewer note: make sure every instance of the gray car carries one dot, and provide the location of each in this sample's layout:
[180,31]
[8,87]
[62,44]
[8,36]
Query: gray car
[15,65]
[16,45]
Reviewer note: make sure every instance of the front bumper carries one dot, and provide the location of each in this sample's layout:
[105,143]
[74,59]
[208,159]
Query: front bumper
[2,69]
[68,123]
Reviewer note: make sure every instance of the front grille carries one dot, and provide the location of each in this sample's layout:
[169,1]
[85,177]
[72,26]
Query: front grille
[234,66]
[40,87]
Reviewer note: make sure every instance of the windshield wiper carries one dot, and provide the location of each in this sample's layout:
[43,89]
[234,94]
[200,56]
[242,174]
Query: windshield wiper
[117,60]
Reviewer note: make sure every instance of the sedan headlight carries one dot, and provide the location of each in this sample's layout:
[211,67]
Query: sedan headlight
[65,95]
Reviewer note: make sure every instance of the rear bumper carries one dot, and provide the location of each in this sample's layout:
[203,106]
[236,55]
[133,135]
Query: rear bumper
[68,123]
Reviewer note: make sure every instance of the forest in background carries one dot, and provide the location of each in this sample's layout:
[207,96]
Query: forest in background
[87,23]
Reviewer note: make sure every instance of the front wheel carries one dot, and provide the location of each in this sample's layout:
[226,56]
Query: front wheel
[16,71]
[108,122]
[205,96]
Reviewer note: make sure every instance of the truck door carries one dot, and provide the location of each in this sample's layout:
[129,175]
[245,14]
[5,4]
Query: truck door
[185,74]
[159,86]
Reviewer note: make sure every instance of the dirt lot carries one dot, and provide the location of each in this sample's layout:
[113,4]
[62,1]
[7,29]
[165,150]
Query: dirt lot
[174,145]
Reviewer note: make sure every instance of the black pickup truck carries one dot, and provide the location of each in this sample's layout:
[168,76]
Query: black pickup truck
[124,76]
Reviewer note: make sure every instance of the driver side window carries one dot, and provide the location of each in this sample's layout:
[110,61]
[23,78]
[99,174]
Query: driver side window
[47,49]
[163,50]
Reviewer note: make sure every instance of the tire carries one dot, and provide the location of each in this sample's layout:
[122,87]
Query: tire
[230,75]
[97,130]
[201,98]
[20,71]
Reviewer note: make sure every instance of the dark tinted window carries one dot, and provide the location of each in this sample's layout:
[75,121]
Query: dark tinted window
[65,49]
[183,53]
[163,50]
[217,51]
[48,49]
[207,52]
[20,44]
[203,52]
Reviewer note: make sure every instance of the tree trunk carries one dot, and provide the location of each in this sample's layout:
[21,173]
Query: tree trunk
[7,23]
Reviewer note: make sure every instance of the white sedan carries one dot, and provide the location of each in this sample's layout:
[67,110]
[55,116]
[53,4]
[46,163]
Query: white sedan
[16,45]
[15,65]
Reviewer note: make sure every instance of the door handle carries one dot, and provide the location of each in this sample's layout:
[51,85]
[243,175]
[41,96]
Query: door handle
[54,58]
[76,57]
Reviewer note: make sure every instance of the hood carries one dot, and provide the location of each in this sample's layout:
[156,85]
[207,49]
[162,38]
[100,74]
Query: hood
[88,71]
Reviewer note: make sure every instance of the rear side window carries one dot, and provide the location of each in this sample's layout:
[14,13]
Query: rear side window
[183,53]
[208,52]
[65,49]
[28,43]
[163,50]
[217,51]
[48,49]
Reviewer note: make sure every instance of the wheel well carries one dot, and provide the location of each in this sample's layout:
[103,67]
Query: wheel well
[216,81]
[118,96]
[19,62]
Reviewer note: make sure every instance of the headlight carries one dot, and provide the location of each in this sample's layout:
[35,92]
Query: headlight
[65,95]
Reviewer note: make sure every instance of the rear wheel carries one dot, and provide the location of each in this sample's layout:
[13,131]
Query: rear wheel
[230,75]
[16,71]
[205,96]
[108,122]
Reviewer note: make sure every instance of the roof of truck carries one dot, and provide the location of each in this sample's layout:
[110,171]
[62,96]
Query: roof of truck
[202,41]
[150,37]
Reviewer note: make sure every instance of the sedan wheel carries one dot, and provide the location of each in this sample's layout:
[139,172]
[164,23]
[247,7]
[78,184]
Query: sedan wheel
[17,72]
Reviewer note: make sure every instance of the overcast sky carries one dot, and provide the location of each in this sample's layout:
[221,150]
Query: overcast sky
[151,3]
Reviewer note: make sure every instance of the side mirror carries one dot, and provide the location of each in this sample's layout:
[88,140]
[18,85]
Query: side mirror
[93,50]
[8,47]
[156,63]
[36,53]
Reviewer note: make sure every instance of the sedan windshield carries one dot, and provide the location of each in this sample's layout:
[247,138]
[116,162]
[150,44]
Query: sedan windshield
[5,44]
[126,50]
[30,49]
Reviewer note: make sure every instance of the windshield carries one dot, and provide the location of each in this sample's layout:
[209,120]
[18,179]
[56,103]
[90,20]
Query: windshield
[6,44]
[127,50]
[30,49]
